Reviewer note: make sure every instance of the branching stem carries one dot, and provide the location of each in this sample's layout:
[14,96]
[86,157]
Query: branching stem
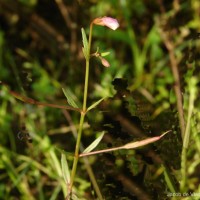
[82,117]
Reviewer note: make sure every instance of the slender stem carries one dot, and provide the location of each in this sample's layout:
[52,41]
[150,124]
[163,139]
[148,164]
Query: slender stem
[86,85]
[131,145]
[34,102]
[183,169]
[92,178]
[187,136]
[177,89]
[76,155]
[90,39]
[82,117]
[177,85]
[85,159]
[168,179]
[101,151]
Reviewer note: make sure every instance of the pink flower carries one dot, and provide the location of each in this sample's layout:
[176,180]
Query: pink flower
[107,21]
[104,62]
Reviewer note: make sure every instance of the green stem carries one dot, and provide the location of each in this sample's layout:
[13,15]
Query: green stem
[93,179]
[183,169]
[82,117]
[192,88]
[168,179]
[76,155]
[86,85]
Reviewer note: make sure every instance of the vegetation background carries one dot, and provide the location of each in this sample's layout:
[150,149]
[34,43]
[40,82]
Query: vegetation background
[41,53]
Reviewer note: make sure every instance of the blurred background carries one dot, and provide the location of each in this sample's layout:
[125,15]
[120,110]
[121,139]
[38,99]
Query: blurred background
[41,53]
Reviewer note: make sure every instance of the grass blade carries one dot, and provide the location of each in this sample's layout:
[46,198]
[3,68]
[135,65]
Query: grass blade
[65,169]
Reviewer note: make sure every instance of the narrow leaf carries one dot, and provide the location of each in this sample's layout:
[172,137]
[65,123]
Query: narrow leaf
[84,53]
[85,42]
[133,145]
[169,180]
[68,94]
[105,54]
[96,103]
[65,169]
[94,143]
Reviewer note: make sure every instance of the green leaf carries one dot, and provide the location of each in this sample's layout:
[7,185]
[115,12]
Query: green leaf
[85,43]
[84,53]
[105,54]
[65,169]
[70,99]
[94,143]
[168,180]
[96,103]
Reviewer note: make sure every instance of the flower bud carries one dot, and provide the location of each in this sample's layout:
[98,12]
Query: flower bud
[107,21]
[104,62]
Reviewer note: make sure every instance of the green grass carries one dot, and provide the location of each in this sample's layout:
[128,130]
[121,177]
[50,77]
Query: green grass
[142,102]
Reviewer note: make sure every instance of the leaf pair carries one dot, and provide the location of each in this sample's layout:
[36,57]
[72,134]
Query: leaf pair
[71,99]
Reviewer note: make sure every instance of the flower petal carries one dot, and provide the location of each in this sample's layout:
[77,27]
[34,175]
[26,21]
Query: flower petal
[104,62]
[107,21]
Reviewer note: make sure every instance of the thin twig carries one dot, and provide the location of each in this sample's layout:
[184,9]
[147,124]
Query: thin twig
[69,23]
[38,103]
[64,12]
[131,145]
[192,97]
[177,86]
[85,159]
